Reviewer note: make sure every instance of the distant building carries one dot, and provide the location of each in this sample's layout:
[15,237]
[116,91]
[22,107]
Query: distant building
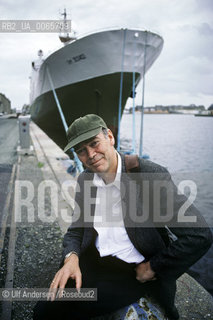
[179,109]
[210,109]
[5,104]
[26,109]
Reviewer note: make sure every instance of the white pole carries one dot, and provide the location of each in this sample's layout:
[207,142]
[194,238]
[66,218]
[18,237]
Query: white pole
[143,89]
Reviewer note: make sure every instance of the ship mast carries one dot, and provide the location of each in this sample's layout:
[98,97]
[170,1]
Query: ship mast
[64,34]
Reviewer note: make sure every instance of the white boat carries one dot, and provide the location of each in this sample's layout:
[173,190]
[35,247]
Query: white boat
[92,74]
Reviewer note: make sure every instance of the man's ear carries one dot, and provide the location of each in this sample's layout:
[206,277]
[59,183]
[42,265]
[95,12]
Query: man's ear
[111,137]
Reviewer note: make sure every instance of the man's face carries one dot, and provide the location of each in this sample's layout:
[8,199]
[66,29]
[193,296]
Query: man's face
[98,154]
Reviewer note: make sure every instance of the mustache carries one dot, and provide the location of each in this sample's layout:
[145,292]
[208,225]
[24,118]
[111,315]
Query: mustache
[95,159]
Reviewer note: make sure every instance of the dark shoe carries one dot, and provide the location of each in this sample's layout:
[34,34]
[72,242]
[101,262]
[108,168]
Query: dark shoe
[172,314]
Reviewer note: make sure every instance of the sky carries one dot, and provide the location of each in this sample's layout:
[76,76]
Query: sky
[183,73]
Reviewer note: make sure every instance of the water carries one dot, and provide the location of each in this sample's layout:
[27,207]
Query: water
[181,143]
[178,142]
[184,145]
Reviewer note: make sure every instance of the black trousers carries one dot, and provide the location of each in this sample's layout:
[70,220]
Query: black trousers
[116,285]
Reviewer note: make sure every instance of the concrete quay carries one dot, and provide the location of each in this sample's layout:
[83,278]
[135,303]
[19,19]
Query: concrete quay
[38,244]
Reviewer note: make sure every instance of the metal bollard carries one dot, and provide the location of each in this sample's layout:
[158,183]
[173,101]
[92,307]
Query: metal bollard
[25,146]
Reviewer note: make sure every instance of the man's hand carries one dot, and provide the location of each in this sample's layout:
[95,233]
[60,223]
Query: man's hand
[70,269]
[144,272]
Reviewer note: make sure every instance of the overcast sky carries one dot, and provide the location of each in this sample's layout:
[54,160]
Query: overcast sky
[183,74]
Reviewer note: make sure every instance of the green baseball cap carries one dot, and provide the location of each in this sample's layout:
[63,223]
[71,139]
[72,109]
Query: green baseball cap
[83,129]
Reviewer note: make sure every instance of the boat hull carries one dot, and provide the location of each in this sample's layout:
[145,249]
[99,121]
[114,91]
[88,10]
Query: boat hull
[86,75]
[99,96]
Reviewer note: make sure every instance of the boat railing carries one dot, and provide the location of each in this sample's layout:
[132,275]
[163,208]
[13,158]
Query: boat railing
[82,35]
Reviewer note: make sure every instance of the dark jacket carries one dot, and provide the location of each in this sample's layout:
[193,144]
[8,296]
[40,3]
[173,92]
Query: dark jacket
[170,245]
[152,237]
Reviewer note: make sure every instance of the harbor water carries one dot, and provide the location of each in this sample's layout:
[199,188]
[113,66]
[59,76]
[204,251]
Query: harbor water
[184,145]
